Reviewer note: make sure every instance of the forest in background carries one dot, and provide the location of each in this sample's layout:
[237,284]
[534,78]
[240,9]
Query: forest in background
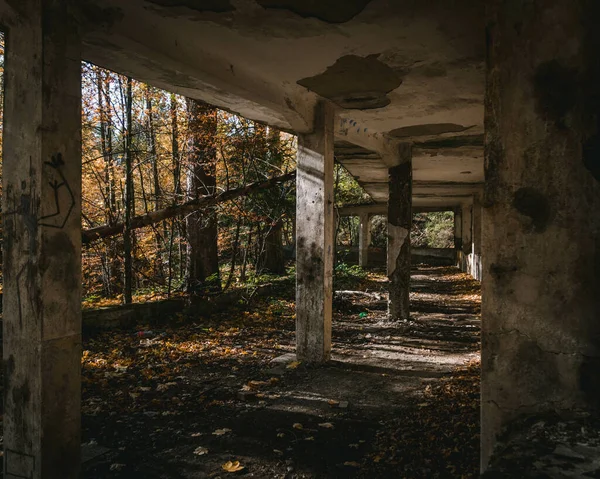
[146,151]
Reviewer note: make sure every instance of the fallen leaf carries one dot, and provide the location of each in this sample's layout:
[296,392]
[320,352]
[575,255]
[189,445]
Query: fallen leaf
[333,402]
[293,365]
[352,464]
[234,466]
[256,384]
[297,425]
[200,451]
[221,432]
[326,425]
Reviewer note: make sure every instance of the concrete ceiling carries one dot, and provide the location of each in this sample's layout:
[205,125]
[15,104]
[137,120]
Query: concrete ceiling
[398,71]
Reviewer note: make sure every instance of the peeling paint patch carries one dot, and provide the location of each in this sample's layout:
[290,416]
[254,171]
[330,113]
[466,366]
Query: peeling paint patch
[428,129]
[591,156]
[396,237]
[95,17]
[452,142]
[533,204]
[556,89]
[216,6]
[355,82]
[331,11]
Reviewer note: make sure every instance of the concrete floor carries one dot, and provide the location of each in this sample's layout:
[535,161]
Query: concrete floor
[308,422]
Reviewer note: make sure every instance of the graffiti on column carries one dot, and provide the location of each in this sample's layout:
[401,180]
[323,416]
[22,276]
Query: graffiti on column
[62,189]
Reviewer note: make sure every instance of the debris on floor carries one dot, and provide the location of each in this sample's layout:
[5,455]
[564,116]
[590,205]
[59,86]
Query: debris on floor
[223,395]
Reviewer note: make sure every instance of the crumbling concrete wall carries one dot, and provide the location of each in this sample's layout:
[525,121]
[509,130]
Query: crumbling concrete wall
[42,242]
[399,227]
[314,239]
[541,233]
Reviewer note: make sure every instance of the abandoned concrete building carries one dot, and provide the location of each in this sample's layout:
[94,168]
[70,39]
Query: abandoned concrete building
[487,108]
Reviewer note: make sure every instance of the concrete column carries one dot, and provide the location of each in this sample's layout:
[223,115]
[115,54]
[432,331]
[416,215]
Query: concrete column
[399,225]
[364,239]
[476,239]
[42,243]
[541,230]
[314,233]
[467,238]
[458,236]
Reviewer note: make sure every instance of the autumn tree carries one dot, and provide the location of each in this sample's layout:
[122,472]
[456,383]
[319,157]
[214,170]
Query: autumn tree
[201,226]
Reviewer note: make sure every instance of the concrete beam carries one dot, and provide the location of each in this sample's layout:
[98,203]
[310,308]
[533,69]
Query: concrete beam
[541,274]
[458,141]
[467,238]
[458,235]
[314,236]
[475,261]
[42,243]
[399,226]
[382,209]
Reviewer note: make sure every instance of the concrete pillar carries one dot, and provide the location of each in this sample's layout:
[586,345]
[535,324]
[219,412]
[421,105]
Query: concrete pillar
[364,239]
[458,236]
[314,233]
[42,243]
[476,239]
[399,225]
[541,231]
[467,238]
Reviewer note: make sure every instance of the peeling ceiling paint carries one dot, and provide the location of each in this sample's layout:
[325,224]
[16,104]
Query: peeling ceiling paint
[330,11]
[217,6]
[428,129]
[355,82]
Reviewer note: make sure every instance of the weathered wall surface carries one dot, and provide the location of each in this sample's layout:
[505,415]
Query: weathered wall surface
[399,226]
[541,234]
[314,239]
[42,243]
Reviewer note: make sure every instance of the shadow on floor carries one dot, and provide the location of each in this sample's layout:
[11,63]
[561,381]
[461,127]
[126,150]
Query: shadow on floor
[382,404]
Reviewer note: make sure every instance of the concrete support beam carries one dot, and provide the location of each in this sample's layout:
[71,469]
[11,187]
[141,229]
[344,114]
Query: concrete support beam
[42,243]
[467,238]
[364,240]
[314,233]
[541,231]
[381,209]
[399,225]
[475,262]
[458,236]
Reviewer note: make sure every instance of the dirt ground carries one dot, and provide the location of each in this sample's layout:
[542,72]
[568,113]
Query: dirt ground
[397,400]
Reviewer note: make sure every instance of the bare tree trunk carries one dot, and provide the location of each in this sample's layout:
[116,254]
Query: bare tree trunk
[201,226]
[271,255]
[246,250]
[113,245]
[234,254]
[127,232]
[156,193]
[204,202]
[177,190]
[175,150]
[106,257]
